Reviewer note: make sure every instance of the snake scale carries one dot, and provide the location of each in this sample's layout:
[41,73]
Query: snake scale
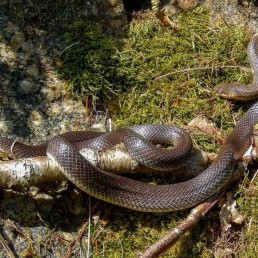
[133,194]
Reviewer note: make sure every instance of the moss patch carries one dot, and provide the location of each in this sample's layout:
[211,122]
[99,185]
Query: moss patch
[175,71]
[90,61]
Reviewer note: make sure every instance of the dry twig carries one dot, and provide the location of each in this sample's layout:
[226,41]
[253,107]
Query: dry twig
[76,240]
[202,68]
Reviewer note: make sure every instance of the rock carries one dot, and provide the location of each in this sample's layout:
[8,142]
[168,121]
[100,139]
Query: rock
[187,5]
[5,126]
[6,54]
[69,106]
[23,58]
[10,28]
[56,109]
[32,71]
[17,40]
[29,87]
[28,47]
[50,93]
[36,118]
[6,82]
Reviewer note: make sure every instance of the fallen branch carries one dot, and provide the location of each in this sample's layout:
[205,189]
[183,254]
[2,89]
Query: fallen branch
[76,240]
[39,170]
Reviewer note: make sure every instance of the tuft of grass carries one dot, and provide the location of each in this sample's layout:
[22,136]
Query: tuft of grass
[91,64]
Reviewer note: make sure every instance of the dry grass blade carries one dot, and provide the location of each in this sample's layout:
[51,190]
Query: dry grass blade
[245,69]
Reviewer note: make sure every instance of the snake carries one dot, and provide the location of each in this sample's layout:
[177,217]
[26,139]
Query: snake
[238,91]
[140,141]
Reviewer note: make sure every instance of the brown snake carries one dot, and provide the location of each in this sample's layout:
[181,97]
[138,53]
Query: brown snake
[137,195]
[239,91]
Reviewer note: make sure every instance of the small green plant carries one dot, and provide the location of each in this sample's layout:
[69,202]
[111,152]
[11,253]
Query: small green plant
[91,62]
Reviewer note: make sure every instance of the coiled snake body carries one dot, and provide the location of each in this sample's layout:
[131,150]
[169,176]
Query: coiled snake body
[137,195]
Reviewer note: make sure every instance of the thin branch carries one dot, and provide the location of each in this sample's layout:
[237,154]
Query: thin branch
[76,240]
[245,69]
[254,176]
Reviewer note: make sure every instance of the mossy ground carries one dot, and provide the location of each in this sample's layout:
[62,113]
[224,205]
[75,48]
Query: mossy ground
[175,71]
[168,77]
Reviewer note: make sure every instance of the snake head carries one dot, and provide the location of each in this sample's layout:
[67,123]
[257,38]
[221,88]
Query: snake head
[234,91]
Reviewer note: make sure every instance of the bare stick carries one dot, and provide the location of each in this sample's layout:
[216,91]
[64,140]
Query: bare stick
[174,234]
[76,240]
[203,68]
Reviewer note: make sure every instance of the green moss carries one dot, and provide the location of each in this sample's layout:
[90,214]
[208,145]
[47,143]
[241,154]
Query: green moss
[203,53]
[175,71]
[91,64]
[248,207]
[131,232]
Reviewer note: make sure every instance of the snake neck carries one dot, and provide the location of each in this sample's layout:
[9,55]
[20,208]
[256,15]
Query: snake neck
[240,138]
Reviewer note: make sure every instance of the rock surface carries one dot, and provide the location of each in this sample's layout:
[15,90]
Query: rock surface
[34,107]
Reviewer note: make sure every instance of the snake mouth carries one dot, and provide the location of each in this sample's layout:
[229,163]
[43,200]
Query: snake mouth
[233,92]
[222,92]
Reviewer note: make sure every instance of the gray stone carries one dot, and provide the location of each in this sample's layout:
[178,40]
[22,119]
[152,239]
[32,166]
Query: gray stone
[11,27]
[5,126]
[36,118]
[17,40]
[32,71]
[6,54]
[28,47]
[6,82]
[28,86]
